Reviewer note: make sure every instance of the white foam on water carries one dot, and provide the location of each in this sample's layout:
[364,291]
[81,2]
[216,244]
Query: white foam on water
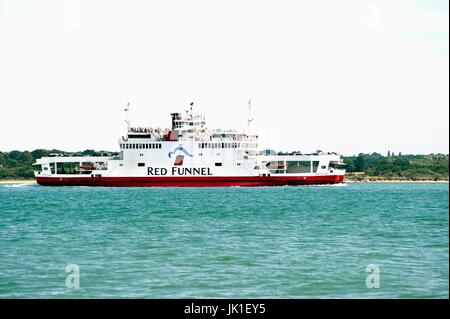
[330,185]
[15,185]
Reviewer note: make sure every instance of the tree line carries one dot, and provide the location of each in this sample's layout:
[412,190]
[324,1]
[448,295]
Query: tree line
[409,167]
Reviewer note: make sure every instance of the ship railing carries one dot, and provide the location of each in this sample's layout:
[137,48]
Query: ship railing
[145,130]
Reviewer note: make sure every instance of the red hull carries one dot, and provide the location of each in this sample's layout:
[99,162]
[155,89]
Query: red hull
[209,181]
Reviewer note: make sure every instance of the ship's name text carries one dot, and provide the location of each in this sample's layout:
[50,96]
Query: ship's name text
[179,171]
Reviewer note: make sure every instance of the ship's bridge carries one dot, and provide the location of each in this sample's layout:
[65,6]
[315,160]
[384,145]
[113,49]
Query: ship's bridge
[189,122]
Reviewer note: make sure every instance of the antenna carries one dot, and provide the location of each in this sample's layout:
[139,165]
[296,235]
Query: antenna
[127,119]
[249,118]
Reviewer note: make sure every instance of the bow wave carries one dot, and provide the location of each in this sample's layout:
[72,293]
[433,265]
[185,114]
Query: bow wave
[179,148]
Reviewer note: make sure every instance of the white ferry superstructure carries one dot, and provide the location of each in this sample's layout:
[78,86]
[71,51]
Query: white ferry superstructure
[189,154]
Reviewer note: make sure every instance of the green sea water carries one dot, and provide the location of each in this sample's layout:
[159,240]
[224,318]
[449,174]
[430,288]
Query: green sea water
[264,242]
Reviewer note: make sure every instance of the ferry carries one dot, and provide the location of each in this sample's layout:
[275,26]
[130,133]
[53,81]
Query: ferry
[190,154]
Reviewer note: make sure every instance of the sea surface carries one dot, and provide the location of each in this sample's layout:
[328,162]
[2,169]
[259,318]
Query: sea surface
[264,242]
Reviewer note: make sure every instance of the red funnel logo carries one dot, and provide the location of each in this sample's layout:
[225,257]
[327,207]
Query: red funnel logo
[178,160]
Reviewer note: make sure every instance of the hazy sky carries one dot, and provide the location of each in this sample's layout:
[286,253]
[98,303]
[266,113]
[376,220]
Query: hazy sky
[344,76]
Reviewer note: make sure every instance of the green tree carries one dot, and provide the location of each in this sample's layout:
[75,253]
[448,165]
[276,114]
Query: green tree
[26,158]
[88,152]
[401,163]
[360,163]
[39,153]
[15,155]
[2,158]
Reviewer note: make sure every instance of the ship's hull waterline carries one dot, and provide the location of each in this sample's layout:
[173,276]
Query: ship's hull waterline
[210,181]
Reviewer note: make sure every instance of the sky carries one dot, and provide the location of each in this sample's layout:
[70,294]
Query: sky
[344,76]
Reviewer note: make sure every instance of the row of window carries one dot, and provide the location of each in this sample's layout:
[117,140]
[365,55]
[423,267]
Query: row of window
[133,146]
[227,145]
[215,164]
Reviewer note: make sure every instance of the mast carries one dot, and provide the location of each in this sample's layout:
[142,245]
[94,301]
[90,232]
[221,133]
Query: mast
[249,118]
[127,119]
